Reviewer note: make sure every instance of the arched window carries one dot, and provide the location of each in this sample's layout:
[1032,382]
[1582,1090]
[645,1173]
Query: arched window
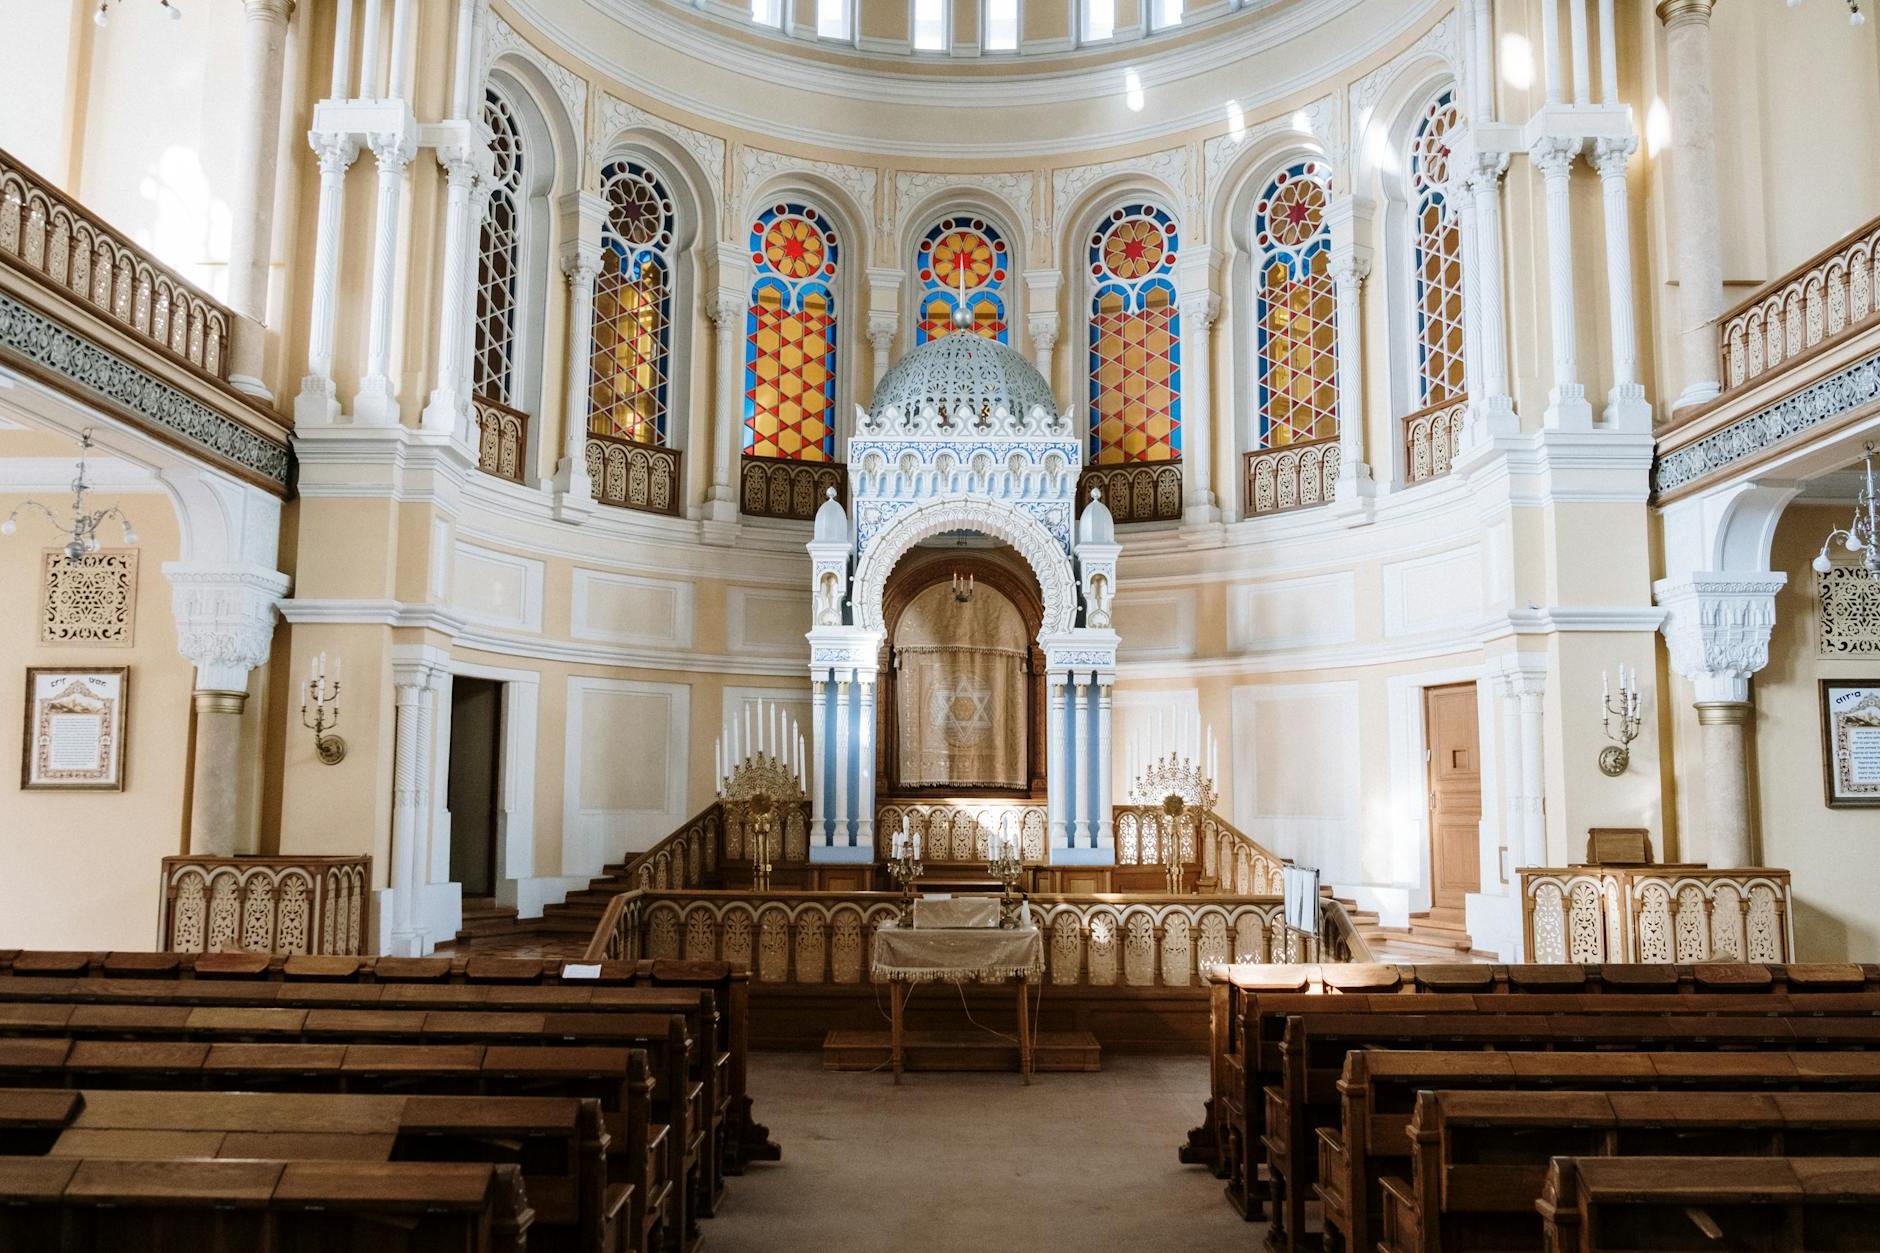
[493,368]
[1297,351]
[1436,256]
[630,359]
[961,248]
[790,337]
[1135,339]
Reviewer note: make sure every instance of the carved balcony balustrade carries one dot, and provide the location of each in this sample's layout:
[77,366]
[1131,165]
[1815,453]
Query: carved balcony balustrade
[1832,295]
[1140,491]
[631,475]
[502,439]
[1227,859]
[1294,476]
[289,905]
[1432,437]
[771,487]
[962,831]
[1656,914]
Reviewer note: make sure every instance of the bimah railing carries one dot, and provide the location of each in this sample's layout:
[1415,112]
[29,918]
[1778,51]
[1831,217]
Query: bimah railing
[1655,914]
[288,905]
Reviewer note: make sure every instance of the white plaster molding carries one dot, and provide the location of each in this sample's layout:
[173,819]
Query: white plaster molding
[592,837]
[500,38]
[617,118]
[1017,190]
[530,571]
[1168,168]
[1717,628]
[760,165]
[224,619]
[1439,40]
[982,515]
[1317,122]
[582,625]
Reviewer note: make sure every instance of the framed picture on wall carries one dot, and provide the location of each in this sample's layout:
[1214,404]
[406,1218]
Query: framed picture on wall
[75,720]
[1850,741]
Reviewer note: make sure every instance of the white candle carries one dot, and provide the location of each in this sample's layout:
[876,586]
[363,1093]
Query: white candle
[718,759]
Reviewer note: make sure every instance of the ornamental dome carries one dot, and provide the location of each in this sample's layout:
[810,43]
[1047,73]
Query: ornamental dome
[962,374]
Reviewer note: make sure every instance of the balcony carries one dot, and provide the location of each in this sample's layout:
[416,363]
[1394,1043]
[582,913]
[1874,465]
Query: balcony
[1828,297]
[630,475]
[1141,491]
[770,487]
[1295,476]
[502,439]
[1432,437]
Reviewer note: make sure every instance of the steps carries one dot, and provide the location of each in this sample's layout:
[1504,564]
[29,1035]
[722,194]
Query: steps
[1435,935]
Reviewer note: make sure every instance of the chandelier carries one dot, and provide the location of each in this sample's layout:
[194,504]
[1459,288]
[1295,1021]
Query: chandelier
[102,14]
[1854,16]
[1862,535]
[83,524]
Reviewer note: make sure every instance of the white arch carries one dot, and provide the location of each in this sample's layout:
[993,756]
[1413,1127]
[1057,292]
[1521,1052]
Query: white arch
[985,516]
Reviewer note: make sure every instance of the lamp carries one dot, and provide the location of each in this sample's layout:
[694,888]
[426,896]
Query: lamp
[83,523]
[322,697]
[102,16]
[1854,16]
[962,588]
[1862,535]
[1614,758]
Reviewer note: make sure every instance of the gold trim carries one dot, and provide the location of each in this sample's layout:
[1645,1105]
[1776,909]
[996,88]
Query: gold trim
[1720,713]
[221,702]
[1674,12]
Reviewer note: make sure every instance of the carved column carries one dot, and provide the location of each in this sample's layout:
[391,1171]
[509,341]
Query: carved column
[318,401]
[1625,404]
[728,310]
[1044,338]
[225,627]
[1105,836]
[410,694]
[820,831]
[448,411]
[1199,309]
[1717,629]
[1566,402]
[865,760]
[1354,476]
[1530,690]
[880,339]
[1494,407]
[574,489]
[251,203]
[1695,207]
[1084,823]
[377,401]
[844,755]
[1057,789]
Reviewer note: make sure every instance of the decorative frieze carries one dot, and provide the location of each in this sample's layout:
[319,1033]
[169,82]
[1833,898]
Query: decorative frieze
[92,600]
[1849,612]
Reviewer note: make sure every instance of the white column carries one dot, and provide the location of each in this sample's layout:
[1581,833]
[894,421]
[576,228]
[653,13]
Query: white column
[1694,197]
[1105,838]
[318,402]
[1608,54]
[1626,408]
[1199,309]
[426,807]
[449,408]
[818,789]
[1513,836]
[1044,338]
[1354,475]
[844,763]
[370,57]
[340,86]
[1530,689]
[463,66]
[1566,401]
[1057,785]
[574,489]
[257,148]
[1494,407]
[1550,51]
[880,339]
[398,76]
[1080,768]
[728,309]
[1582,53]
[865,762]
[407,772]
[377,401]
[1462,204]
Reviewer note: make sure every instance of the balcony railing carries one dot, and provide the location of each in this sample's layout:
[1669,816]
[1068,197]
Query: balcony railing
[63,245]
[1297,476]
[1655,914]
[1431,439]
[632,475]
[1142,491]
[309,904]
[771,487]
[1829,296]
[502,439]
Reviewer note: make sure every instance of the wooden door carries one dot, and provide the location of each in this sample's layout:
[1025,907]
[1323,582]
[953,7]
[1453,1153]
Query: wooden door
[1455,793]
[474,792]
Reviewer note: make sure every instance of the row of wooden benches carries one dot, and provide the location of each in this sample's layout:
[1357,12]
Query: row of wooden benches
[1287,1099]
[645,1046]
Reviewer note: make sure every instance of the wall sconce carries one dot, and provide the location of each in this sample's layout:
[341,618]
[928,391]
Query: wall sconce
[1614,758]
[962,588]
[322,697]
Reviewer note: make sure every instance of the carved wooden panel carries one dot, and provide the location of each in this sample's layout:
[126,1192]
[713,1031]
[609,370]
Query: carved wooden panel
[89,601]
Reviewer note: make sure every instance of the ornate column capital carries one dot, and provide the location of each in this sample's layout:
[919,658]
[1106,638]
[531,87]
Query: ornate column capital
[1044,329]
[881,328]
[727,308]
[1611,154]
[1553,155]
[1350,268]
[581,262]
[1201,309]
[334,151]
[1685,12]
[224,619]
[1717,628]
[1483,170]
[393,149]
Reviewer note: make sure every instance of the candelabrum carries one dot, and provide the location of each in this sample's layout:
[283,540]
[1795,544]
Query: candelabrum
[1173,807]
[763,776]
[1619,720]
[79,522]
[1862,535]
[1007,866]
[759,821]
[319,711]
[904,867]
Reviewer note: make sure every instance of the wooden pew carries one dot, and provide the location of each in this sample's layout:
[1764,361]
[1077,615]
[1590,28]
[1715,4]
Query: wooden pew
[1315,1047]
[1481,1157]
[1379,1089]
[1672,1204]
[617,1081]
[86,1205]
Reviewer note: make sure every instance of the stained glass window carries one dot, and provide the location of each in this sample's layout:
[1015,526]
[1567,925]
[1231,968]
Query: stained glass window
[499,256]
[1436,256]
[629,385]
[790,337]
[961,248]
[1297,349]
[1135,338]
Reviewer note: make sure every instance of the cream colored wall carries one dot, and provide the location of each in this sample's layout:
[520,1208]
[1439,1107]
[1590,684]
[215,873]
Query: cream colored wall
[81,869]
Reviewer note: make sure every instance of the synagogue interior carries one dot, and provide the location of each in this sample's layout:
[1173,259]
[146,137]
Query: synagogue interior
[938,624]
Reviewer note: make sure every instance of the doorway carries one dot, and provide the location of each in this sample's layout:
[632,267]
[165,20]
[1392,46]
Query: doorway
[1450,736]
[475,791]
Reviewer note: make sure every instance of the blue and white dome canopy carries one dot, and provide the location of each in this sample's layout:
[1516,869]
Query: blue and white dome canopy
[964,385]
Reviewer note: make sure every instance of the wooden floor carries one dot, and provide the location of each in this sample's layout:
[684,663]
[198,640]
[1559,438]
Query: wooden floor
[967,1161]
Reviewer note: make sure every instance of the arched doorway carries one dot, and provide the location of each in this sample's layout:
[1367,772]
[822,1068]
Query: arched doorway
[961,710]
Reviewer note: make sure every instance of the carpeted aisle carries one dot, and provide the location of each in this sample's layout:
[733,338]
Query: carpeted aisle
[958,1161]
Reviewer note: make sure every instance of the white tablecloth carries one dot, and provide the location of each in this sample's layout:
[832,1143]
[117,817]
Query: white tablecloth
[957,954]
[956,911]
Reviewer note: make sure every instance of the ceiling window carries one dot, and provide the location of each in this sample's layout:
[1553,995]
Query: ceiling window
[1165,13]
[832,19]
[767,12]
[1002,25]
[930,25]
[1099,19]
